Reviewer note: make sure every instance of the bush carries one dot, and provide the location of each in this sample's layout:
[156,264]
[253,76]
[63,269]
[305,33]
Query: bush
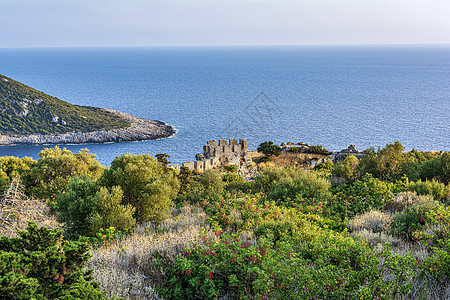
[146,184]
[385,163]
[86,207]
[347,168]
[41,264]
[373,220]
[11,166]
[303,184]
[438,190]
[406,200]
[310,263]
[49,177]
[269,149]
[438,168]
[318,149]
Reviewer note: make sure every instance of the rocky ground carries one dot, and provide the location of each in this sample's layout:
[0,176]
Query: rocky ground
[140,130]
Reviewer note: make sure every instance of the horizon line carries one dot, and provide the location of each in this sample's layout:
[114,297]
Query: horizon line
[231,45]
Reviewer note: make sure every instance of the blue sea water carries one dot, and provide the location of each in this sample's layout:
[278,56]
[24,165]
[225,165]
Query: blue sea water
[329,95]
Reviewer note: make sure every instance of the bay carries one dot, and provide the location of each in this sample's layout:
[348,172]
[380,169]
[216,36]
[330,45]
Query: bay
[329,95]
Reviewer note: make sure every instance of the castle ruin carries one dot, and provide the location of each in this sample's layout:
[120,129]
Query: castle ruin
[218,154]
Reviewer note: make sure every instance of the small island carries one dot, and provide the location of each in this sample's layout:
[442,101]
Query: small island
[31,117]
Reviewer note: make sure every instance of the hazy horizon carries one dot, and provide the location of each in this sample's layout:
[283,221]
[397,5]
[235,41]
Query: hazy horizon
[164,23]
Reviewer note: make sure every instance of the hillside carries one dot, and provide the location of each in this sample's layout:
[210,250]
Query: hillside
[25,110]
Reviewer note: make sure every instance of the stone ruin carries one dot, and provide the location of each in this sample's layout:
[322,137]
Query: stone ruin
[351,150]
[218,154]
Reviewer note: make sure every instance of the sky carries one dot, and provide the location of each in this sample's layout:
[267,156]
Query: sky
[105,23]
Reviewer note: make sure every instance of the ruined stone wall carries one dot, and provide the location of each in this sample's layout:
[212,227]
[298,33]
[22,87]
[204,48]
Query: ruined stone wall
[219,153]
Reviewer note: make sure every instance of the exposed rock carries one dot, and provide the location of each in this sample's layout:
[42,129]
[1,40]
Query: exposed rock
[140,130]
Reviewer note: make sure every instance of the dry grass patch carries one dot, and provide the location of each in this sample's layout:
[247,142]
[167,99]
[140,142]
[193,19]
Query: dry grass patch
[126,267]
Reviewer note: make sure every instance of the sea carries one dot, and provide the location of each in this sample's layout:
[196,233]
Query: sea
[328,95]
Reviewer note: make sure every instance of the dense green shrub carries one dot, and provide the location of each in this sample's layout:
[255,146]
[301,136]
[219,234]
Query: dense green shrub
[438,190]
[85,208]
[11,166]
[146,184]
[41,264]
[308,264]
[318,149]
[283,183]
[438,168]
[50,175]
[302,184]
[347,168]
[385,163]
[269,149]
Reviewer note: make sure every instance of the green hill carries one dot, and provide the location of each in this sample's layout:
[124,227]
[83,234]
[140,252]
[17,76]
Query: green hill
[24,110]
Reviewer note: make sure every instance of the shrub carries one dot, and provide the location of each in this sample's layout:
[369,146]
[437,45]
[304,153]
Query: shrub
[373,220]
[41,264]
[312,263]
[304,184]
[438,168]
[146,184]
[10,167]
[405,200]
[269,149]
[86,207]
[49,177]
[110,212]
[385,163]
[318,149]
[410,221]
[347,168]
[438,190]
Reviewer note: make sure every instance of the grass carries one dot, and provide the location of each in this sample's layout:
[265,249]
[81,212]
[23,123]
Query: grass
[126,269]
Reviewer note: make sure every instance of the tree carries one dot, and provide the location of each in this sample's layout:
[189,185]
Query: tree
[385,163]
[110,212]
[75,206]
[50,176]
[163,158]
[40,264]
[86,207]
[146,185]
[347,168]
[269,149]
[11,166]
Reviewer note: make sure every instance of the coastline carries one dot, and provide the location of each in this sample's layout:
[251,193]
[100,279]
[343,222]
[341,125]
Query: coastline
[140,130]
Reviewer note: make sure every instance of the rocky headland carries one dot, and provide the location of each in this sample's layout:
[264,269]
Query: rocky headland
[141,129]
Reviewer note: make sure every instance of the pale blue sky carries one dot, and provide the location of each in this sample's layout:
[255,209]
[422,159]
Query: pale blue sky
[74,23]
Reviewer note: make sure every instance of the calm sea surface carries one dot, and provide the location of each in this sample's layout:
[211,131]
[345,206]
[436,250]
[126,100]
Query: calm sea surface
[334,96]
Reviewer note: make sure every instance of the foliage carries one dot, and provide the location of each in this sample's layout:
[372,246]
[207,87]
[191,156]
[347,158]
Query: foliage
[385,163]
[85,208]
[26,110]
[146,184]
[301,184]
[50,175]
[347,168]
[40,263]
[438,169]
[309,264]
[438,190]
[269,149]
[325,168]
[318,149]
[10,167]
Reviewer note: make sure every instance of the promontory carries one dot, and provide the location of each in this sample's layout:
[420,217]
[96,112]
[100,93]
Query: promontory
[28,116]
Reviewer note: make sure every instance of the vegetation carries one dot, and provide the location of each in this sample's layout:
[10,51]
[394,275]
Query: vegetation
[26,110]
[147,185]
[286,234]
[40,264]
[269,149]
[50,175]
